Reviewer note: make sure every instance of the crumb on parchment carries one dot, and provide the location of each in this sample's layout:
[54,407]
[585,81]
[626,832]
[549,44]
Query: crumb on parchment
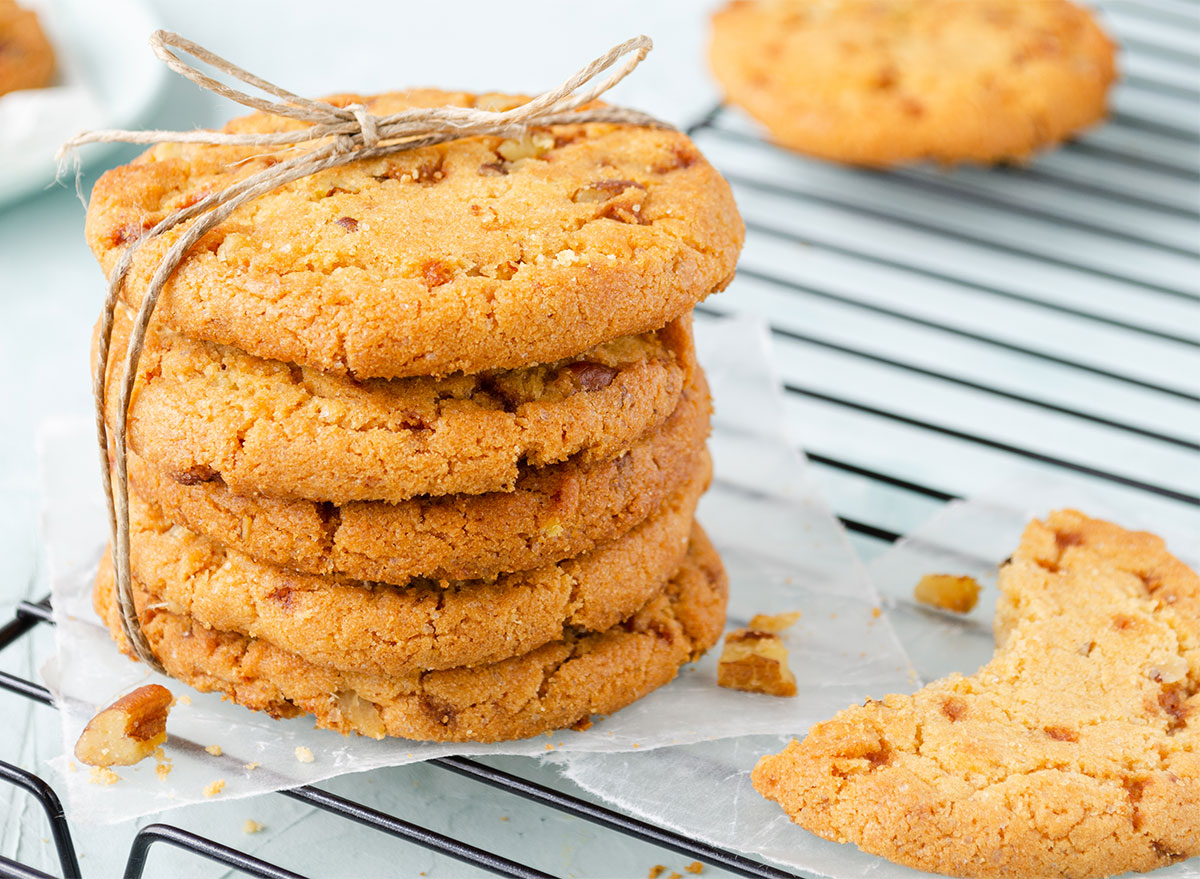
[211,790]
[102,775]
[773,623]
[252,826]
[948,591]
[756,662]
[215,750]
[304,755]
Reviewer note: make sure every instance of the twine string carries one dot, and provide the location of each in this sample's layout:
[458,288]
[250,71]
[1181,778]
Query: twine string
[340,135]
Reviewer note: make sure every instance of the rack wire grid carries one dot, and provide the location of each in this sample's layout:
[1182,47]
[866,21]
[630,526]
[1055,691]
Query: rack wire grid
[935,331]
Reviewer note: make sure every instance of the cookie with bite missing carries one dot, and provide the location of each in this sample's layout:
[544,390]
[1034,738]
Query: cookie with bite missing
[881,82]
[1075,752]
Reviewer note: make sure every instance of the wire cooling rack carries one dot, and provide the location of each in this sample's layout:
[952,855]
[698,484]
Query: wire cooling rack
[935,332]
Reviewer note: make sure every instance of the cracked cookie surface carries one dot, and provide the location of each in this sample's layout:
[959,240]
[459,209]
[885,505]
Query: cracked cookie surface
[553,513]
[1075,752]
[203,411]
[877,82]
[560,684]
[423,624]
[480,253]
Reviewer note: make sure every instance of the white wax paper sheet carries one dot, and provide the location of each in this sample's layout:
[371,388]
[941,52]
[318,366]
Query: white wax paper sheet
[782,547]
[704,789]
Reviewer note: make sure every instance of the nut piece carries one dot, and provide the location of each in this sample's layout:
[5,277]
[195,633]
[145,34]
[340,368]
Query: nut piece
[128,730]
[776,623]
[755,661]
[948,592]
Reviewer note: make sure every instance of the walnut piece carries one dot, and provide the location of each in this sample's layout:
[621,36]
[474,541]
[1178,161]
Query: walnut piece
[947,591]
[127,731]
[755,661]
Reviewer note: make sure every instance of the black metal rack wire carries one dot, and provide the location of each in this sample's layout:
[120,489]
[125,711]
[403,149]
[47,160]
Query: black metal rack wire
[1137,180]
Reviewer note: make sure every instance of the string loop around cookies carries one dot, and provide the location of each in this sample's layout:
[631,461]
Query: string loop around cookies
[339,135]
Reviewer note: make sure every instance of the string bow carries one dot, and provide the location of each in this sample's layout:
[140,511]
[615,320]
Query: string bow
[340,135]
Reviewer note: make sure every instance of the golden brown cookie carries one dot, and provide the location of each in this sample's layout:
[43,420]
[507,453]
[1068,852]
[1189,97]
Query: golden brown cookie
[1075,752]
[26,57]
[204,411]
[480,253]
[380,629]
[553,513]
[560,684]
[876,82]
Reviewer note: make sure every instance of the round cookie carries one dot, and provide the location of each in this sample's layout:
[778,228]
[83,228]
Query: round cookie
[26,57]
[380,629]
[480,253]
[553,513]
[560,684]
[877,82]
[203,411]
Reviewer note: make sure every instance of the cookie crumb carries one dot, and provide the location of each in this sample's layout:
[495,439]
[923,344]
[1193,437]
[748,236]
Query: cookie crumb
[128,730]
[656,871]
[774,623]
[304,755]
[250,767]
[674,875]
[211,790]
[102,775]
[252,826]
[695,867]
[876,612]
[185,699]
[215,750]
[756,662]
[162,770]
[72,767]
[948,592]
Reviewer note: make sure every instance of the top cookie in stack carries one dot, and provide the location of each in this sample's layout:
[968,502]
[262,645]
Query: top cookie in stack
[416,442]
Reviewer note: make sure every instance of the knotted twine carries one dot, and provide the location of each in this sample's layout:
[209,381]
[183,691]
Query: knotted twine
[353,134]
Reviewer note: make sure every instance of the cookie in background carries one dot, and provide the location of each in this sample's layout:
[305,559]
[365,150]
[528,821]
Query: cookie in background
[882,83]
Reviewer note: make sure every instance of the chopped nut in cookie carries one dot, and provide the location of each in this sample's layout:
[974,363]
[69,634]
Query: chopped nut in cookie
[755,661]
[127,731]
[947,591]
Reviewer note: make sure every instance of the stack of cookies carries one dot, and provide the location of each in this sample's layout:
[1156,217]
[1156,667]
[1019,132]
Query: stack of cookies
[416,442]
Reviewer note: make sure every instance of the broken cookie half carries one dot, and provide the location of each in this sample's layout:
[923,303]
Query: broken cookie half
[1075,752]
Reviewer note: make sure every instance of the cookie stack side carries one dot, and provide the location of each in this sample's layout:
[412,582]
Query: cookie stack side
[416,444]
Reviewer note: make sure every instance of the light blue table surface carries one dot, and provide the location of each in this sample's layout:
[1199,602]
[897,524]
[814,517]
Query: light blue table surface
[950,300]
